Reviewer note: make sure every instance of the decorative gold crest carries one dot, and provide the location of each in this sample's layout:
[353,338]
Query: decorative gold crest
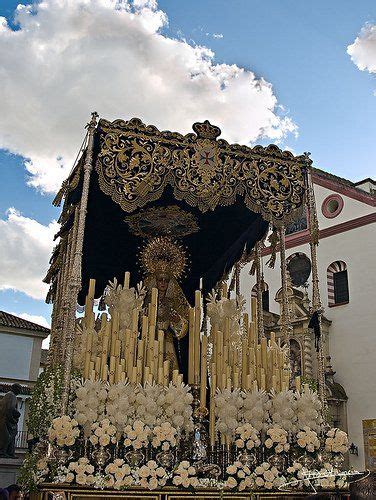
[162,221]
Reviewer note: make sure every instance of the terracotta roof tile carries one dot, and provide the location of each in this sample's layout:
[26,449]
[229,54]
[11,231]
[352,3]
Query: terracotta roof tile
[5,387]
[9,320]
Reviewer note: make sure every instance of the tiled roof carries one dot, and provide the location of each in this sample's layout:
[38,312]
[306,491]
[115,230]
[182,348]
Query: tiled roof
[9,320]
[343,181]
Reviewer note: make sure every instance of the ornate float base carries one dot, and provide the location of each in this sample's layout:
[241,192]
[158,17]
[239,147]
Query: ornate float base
[54,492]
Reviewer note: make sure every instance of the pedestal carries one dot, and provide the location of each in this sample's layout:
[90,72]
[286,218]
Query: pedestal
[9,468]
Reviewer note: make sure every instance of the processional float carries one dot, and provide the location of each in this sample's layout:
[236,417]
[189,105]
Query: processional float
[163,381]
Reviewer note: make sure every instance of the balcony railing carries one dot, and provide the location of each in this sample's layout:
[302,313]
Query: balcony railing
[21,439]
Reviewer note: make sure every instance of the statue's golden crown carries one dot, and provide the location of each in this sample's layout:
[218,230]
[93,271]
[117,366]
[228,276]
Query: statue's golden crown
[162,255]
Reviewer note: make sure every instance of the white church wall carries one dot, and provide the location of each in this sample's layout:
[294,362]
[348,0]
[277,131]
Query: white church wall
[352,209]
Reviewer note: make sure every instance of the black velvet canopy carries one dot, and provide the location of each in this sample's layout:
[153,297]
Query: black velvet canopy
[233,191]
[110,248]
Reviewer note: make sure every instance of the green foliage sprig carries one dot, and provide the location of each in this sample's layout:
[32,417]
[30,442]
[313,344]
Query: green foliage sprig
[28,475]
[45,402]
[311,382]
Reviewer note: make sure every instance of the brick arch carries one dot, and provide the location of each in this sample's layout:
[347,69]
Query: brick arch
[334,267]
[299,254]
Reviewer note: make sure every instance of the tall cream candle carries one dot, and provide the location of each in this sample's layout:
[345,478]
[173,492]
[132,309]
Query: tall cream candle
[127,276]
[197,336]
[191,346]
[298,383]
[166,372]
[204,348]
[212,432]
[219,360]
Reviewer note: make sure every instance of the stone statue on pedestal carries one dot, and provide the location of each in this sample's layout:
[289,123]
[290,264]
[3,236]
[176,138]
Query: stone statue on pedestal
[9,416]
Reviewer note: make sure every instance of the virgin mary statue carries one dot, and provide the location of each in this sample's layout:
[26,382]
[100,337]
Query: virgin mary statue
[164,261]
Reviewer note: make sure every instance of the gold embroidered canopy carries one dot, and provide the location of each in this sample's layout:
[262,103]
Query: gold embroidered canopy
[137,176]
[135,163]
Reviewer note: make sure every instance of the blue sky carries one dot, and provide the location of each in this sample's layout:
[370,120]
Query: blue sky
[299,47]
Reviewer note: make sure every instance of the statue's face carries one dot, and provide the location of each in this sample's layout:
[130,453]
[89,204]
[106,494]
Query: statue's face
[162,282]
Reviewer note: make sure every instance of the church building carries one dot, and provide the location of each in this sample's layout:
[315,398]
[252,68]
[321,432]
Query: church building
[347,266]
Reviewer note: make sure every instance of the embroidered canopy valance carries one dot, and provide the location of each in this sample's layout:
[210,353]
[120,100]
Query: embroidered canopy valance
[136,162]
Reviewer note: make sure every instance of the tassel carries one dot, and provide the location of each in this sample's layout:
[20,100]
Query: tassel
[252,271]
[314,323]
[273,240]
[60,195]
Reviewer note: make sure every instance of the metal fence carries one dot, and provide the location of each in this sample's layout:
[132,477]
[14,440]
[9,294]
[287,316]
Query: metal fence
[21,439]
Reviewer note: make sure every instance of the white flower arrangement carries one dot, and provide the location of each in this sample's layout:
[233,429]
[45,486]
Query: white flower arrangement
[227,408]
[239,475]
[177,407]
[185,475]
[82,472]
[149,403]
[90,403]
[42,470]
[220,310]
[103,433]
[136,435]
[247,437]
[151,476]
[308,410]
[330,479]
[42,465]
[124,300]
[297,476]
[164,436]
[336,441]
[63,475]
[118,475]
[277,437]
[255,409]
[268,477]
[282,410]
[63,431]
[308,439]
[120,405]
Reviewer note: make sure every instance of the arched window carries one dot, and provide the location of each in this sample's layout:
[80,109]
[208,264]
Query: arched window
[265,296]
[338,284]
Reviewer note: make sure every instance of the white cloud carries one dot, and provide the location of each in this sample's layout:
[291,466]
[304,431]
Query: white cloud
[70,57]
[34,318]
[46,342]
[217,35]
[363,50]
[25,249]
